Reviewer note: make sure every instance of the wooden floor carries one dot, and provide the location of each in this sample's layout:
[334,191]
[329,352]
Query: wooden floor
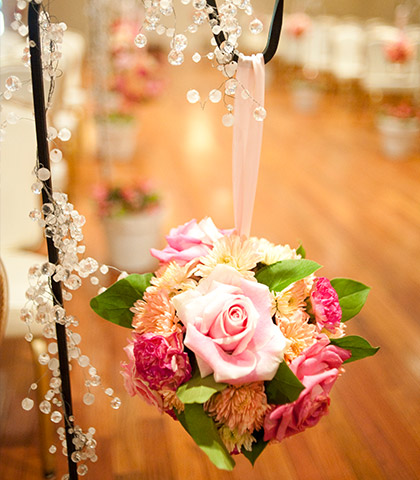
[323,182]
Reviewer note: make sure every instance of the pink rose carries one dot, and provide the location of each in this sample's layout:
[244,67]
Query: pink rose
[161,361]
[188,241]
[317,368]
[229,327]
[134,384]
[325,305]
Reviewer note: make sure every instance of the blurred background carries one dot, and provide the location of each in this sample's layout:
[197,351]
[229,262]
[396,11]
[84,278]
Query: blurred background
[340,173]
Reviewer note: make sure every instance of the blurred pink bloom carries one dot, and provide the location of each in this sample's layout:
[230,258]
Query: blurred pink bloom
[325,305]
[297,24]
[229,327]
[188,241]
[399,51]
[317,368]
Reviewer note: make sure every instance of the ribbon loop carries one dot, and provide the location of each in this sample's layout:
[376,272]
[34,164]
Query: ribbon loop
[247,139]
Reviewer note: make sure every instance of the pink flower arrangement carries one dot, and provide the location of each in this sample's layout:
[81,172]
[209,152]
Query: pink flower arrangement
[136,75]
[235,337]
[297,24]
[400,50]
[117,201]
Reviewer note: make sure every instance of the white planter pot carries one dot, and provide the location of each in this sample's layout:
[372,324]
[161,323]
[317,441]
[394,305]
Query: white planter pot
[305,98]
[117,140]
[130,239]
[398,137]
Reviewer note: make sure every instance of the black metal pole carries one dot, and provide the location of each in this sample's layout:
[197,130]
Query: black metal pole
[273,36]
[44,161]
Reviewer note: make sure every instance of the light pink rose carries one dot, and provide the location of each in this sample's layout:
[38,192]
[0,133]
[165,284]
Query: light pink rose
[325,305]
[133,382]
[317,368]
[229,327]
[189,241]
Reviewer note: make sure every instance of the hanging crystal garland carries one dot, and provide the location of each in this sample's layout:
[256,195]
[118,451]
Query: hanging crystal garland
[160,18]
[62,223]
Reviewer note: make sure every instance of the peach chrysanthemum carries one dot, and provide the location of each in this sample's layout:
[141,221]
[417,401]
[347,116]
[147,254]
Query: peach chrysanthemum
[239,407]
[340,331]
[287,302]
[170,400]
[271,253]
[238,252]
[234,442]
[155,313]
[175,278]
[298,331]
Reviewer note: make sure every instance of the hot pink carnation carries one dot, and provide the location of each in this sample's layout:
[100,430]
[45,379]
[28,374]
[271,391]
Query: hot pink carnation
[188,241]
[161,361]
[325,304]
[229,327]
[134,384]
[317,368]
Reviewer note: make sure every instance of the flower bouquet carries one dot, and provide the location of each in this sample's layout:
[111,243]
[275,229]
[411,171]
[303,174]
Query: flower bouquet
[132,218]
[235,337]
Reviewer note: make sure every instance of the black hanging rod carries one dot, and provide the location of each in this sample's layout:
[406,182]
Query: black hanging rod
[273,36]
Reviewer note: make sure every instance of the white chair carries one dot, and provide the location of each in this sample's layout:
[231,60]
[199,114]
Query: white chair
[348,51]
[317,53]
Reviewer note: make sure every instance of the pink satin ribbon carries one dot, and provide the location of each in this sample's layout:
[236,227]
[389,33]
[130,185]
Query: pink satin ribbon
[247,140]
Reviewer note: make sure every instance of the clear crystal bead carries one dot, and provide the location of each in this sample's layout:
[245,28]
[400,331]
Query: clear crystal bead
[13,83]
[260,113]
[227,120]
[199,4]
[230,86]
[196,57]
[64,135]
[56,416]
[36,188]
[256,26]
[88,398]
[193,96]
[175,58]
[27,404]
[141,40]
[179,42]
[82,469]
[43,174]
[116,403]
[73,282]
[83,361]
[56,155]
[215,96]
[45,407]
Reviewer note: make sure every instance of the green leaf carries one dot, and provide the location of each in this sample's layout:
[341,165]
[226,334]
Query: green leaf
[301,251]
[358,346]
[257,447]
[114,304]
[280,275]
[285,386]
[204,432]
[352,296]
[199,390]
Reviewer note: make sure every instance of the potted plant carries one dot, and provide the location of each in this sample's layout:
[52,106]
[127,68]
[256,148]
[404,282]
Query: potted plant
[135,77]
[132,217]
[399,127]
